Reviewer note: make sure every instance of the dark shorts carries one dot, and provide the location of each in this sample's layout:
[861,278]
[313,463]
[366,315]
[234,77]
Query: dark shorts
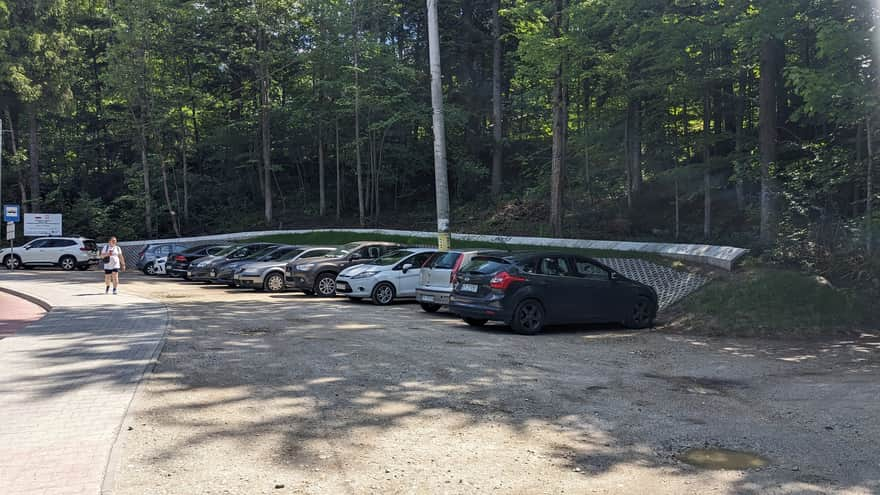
[108,272]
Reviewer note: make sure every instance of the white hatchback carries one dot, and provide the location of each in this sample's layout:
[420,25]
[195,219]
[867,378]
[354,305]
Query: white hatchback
[393,276]
[65,252]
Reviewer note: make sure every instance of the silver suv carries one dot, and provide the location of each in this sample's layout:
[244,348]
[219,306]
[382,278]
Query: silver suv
[65,252]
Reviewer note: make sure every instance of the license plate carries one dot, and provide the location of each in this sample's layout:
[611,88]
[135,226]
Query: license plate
[341,285]
[213,274]
[468,288]
[428,298]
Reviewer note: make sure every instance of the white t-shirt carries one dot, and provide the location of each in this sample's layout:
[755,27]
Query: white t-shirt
[114,253]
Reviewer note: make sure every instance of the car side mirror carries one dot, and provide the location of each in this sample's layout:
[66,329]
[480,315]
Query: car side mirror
[355,257]
[407,267]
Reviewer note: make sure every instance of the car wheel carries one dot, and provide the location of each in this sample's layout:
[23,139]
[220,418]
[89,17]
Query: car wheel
[12,262]
[274,282]
[383,294]
[528,317]
[67,263]
[475,322]
[430,307]
[641,315]
[325,285]
[150,269]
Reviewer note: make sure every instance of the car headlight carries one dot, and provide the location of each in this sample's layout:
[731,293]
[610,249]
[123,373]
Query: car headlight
[364,274]
[304,268]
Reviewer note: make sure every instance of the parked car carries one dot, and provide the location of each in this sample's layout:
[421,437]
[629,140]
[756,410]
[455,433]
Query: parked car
[438,275]
[65,252]
[268,274]
[223,272]
[148,255]
[393,276]
[200,269]
[531,290]
[318,276]
[179,261]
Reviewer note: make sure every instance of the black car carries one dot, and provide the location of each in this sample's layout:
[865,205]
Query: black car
[223,272]
[318,275]
[201,269]
[531,290]
[178,262]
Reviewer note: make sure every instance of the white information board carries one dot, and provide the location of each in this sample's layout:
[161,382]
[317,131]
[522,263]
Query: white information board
[10,231]
[39,224]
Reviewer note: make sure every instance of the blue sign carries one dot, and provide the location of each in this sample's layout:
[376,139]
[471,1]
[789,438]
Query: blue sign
[11,213]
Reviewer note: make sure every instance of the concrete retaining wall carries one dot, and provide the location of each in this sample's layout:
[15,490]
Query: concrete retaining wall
[718,256]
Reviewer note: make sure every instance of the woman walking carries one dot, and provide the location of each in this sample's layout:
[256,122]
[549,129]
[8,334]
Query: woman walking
[111,255]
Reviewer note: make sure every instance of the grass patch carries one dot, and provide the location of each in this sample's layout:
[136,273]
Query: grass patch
[337,238]
[770,302]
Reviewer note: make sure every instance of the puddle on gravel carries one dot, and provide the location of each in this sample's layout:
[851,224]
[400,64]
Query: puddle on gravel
[722,459]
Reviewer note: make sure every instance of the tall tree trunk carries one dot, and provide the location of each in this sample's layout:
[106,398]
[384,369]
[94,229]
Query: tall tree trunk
[498,145]
[148,206]
[560,126]
[633,145]
[771,69]
[585,123]
[184,166]
[357,122]
[441,184]
[34,156]
[322,201]
[707,171]
[338,175]
[739,111]
[168,203]
[869,188]
[266,147]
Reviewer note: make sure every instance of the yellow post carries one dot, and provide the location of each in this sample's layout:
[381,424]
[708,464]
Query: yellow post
[444,241]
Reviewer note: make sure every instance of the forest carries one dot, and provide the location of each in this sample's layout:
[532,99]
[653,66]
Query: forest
[742,122]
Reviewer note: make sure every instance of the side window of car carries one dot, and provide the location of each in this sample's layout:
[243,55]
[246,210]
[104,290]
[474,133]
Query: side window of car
[374,252]
[555,266]
[590,270]
[51,243]
[39,243]
[418,260]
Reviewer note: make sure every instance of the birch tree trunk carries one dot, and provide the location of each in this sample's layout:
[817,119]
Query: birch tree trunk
[148,206]
[707,172]
[168,203]
[322,201]
[560,125]
[441,183]
[338,175]
[34,156]
[357,122]
[266,146]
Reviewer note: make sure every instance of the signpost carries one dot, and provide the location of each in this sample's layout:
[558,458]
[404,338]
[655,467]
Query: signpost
[11,214]
[40,224]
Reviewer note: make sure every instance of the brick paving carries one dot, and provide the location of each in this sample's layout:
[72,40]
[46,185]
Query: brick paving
[66,382]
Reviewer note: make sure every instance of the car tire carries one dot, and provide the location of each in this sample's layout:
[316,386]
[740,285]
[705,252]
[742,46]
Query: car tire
[274,283]
[641,314]
[150,269]
[383,294]
[12,262]
[475,322]
[325,285]
[430,307]
[67,263]
[528,317]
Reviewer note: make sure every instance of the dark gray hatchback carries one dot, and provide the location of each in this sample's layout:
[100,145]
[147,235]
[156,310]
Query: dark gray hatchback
[318,275]
[531,290]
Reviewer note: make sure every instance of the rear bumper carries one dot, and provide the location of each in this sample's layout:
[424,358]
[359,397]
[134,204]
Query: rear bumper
[484,309]
[430,296]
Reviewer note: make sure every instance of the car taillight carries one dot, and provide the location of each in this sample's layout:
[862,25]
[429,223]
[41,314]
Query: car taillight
[141,254]
[502,280]
[84,249]
[455,269]
[180,258]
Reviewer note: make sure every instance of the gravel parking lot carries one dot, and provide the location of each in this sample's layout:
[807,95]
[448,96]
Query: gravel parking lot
[260,393]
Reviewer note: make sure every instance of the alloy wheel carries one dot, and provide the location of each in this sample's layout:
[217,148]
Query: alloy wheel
[275,283]
[150,269]
[13,263]
[528,318]
[384,294]
[68,263]
[326,286]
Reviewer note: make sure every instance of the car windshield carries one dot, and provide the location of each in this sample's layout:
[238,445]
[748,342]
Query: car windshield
[227,251]
[485,265]
[391,258]
[195,249]
[342,250]
[281,254]
[259,255]
[90,245]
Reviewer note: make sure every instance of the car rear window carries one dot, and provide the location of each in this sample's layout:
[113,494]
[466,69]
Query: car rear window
[445,261]
[485,265]
[90,245]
